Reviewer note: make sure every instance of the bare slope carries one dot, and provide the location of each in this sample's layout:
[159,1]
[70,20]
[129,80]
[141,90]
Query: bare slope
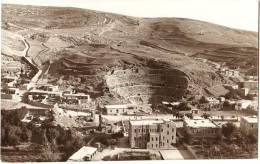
[132,59]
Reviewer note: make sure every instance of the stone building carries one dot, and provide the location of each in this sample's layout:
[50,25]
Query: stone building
[200,128]
[248,124]
[152,134]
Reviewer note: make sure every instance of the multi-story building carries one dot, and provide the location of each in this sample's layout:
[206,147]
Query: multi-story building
[152,134]
[200,128]
[248,124]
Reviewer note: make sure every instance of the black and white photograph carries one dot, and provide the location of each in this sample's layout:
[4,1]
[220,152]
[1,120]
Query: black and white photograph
[129,80]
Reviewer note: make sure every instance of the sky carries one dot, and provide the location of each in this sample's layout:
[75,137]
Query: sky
[241,14]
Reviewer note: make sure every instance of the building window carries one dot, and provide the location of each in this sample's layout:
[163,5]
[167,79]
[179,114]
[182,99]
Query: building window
[111,111]
[167,132]
[156,138]
[152,138]
[172,129]
[167,141]
[168,125]
[135,131]
[163,137]
[161,130]
[117,111]
[152,145]
[172,137]
[156,145]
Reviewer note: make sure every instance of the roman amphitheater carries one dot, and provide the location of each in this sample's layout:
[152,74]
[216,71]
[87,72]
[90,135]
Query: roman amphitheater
[146,85]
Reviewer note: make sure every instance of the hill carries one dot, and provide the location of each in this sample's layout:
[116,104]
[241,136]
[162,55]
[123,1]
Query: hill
[129,59]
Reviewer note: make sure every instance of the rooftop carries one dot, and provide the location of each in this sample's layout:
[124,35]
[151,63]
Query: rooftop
[146,122]
[249,81]
[199,123]
[118,106]
[76,94]
[250,119]
[82,152]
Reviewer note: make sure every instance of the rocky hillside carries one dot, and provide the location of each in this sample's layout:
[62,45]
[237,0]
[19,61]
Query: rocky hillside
[126,58]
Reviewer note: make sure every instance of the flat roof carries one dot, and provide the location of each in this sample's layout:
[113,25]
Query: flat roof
[249,81]
[250,119]
[200,123]
[118,106]
[82,152]
[76,94]
[146,122]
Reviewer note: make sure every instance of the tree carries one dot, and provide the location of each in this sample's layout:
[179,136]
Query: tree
[187,136]
[252,138]
[228,129]
[189,115]
[205,115]
[13,136]
[184,107]
[48,155]
[52,134]
[117,135]
[203,100]
[26,135]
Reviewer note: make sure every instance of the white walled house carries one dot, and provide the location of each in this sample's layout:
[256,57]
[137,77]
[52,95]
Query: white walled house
[119,109]
[85,153]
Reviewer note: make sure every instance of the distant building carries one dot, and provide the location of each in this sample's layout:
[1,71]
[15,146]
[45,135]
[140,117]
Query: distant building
[252,94]
[10,93]
[9,81]
[79,97]
[212,100]
[213,103]
[248,125]
[231,73]
[250,84]
[194,111]
[251,78]
[222,120]
[231,87]
[85,153]
[26,86]
[152,134]
[52,88]
[244,104]
[243,91]
[222,99]
[200,128]
[120,109]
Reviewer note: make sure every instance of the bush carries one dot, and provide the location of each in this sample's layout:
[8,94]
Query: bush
[117,135]
[228,129]
[183,107]
[13,135]
[252,138]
